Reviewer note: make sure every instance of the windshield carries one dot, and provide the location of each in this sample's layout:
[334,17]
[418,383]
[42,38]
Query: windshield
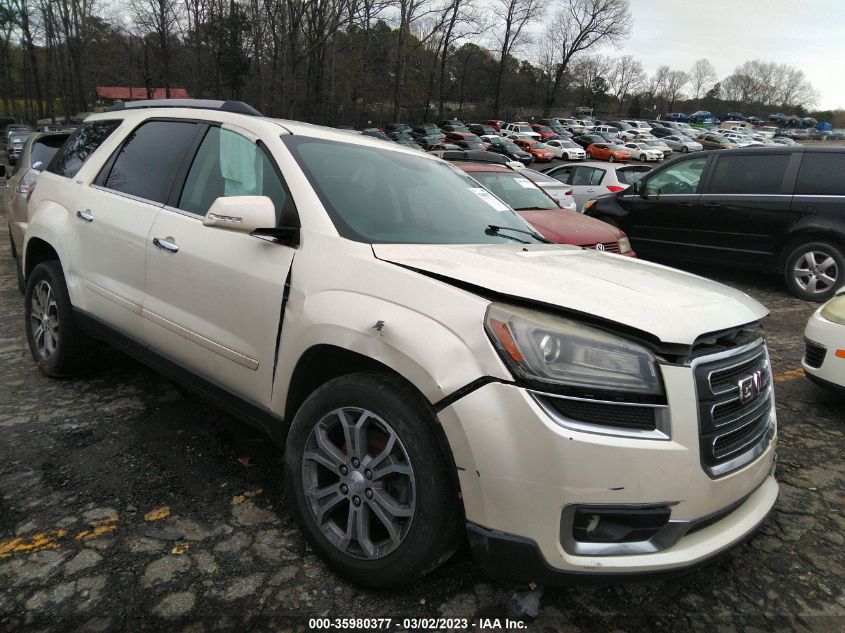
[19,138]
[519,192]
[536,145]
[509,146]
[377,195]
[568,144]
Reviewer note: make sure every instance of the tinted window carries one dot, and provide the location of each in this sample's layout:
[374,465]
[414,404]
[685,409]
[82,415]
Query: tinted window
[561,174]
[43,149]
[760,174]
[630,175]
[822,174]
[228,164]
[80,146]
[145,165]
[681,177]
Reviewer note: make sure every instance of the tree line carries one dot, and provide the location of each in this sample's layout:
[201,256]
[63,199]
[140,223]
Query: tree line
[362,62]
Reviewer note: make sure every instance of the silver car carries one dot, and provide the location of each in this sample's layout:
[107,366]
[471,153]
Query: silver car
[681,143]
[562,193]
[595,178]
[36,153]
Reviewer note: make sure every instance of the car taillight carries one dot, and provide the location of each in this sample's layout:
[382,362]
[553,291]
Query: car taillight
[615,188]
[568,193]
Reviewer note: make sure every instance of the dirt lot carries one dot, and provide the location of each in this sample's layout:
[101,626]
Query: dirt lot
[99,474]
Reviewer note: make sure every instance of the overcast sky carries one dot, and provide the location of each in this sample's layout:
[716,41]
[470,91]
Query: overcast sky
[807,34]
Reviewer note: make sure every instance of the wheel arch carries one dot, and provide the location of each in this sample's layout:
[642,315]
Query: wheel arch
[38,250]
[323,362]
[805,235]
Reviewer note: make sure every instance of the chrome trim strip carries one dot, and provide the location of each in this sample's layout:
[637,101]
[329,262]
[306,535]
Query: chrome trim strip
[128,196]
[113,297]
[768,393]
[747,457]
[662,418]
[726,354]
[212,346]
[729,367]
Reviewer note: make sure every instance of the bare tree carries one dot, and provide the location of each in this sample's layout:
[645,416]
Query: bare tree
[702,76]
[579,25]
[159,19]
[626,77]
[515,15]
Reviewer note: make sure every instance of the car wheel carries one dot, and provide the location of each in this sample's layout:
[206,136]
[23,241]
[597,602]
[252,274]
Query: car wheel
[372,486]
[814,270]
[56,342]
[611,159]
[589,156]
[684,149]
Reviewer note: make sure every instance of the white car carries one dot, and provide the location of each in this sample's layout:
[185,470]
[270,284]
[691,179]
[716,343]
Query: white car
[576,127]
[519,130]
[824,345]
[432,367]
[681,143]
[635,134]
[658,144]
[644,152]
[566,150]
[595,178]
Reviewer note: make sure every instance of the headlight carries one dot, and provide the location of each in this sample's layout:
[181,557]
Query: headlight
[551,349]
[624,245]
[27,182]
[834,310]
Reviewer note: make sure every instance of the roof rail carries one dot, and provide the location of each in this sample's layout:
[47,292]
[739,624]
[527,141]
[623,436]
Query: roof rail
[237,107]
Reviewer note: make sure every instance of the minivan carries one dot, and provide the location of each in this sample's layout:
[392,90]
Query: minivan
[770,208]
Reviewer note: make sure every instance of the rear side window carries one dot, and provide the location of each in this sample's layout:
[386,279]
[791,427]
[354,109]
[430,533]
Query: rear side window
[587,176]
[822,175]
[147,162]
[757,174]
[44,148]
[84,142]
[228,164]
[630,175]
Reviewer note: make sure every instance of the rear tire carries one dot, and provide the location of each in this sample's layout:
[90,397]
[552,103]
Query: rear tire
[58,345]
[814,270]
[372,488]
[684,149]
[589,156]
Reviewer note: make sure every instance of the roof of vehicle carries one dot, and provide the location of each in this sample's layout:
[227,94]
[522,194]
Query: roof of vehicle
[469,166]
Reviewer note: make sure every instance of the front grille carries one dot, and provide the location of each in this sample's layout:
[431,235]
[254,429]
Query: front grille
[609,247]
[734,407]
[814,354]
[619,415]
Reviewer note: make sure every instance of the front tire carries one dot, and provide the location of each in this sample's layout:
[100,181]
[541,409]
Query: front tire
[56,342]
[372,488]
[814,270]
[684,149]
[611,159]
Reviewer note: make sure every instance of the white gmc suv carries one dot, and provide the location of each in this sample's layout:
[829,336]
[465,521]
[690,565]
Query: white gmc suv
[431,367]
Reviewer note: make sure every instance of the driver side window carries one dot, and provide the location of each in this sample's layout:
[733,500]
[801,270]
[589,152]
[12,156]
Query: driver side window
[681,178]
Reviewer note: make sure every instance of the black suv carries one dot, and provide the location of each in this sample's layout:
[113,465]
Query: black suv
[777,209]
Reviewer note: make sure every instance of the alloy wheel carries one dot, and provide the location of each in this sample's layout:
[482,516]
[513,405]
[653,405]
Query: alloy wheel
[816,272]
[44,320]
[359,483]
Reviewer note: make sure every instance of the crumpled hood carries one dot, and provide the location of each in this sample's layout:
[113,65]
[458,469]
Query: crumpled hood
[674,306]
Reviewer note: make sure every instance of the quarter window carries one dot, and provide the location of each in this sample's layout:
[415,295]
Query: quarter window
[679,178]
[822,175]
[760,174]
[228,164]
[69,160]
[149,158]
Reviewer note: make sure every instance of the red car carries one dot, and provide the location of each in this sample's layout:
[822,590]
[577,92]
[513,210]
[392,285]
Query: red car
[543,130]
[609,152]
[496,124]
[465,140]
[542,212]
[539,151]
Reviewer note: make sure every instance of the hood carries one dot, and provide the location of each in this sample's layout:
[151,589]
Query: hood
[671,305]
[569,227]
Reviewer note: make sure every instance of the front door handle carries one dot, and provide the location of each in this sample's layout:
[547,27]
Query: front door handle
[85,215]
[167,243]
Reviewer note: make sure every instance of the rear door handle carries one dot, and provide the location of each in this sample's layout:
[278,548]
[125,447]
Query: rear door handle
[85,215]
[167,243]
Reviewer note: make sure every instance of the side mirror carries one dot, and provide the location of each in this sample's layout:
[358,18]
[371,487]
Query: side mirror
[241,213]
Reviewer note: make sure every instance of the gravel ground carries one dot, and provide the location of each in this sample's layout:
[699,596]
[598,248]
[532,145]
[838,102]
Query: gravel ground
[98,473]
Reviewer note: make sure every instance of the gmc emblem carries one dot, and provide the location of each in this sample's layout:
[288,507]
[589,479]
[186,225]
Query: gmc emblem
[750,387]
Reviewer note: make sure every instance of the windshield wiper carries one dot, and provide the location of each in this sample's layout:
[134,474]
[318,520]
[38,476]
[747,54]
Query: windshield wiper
[495,229]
